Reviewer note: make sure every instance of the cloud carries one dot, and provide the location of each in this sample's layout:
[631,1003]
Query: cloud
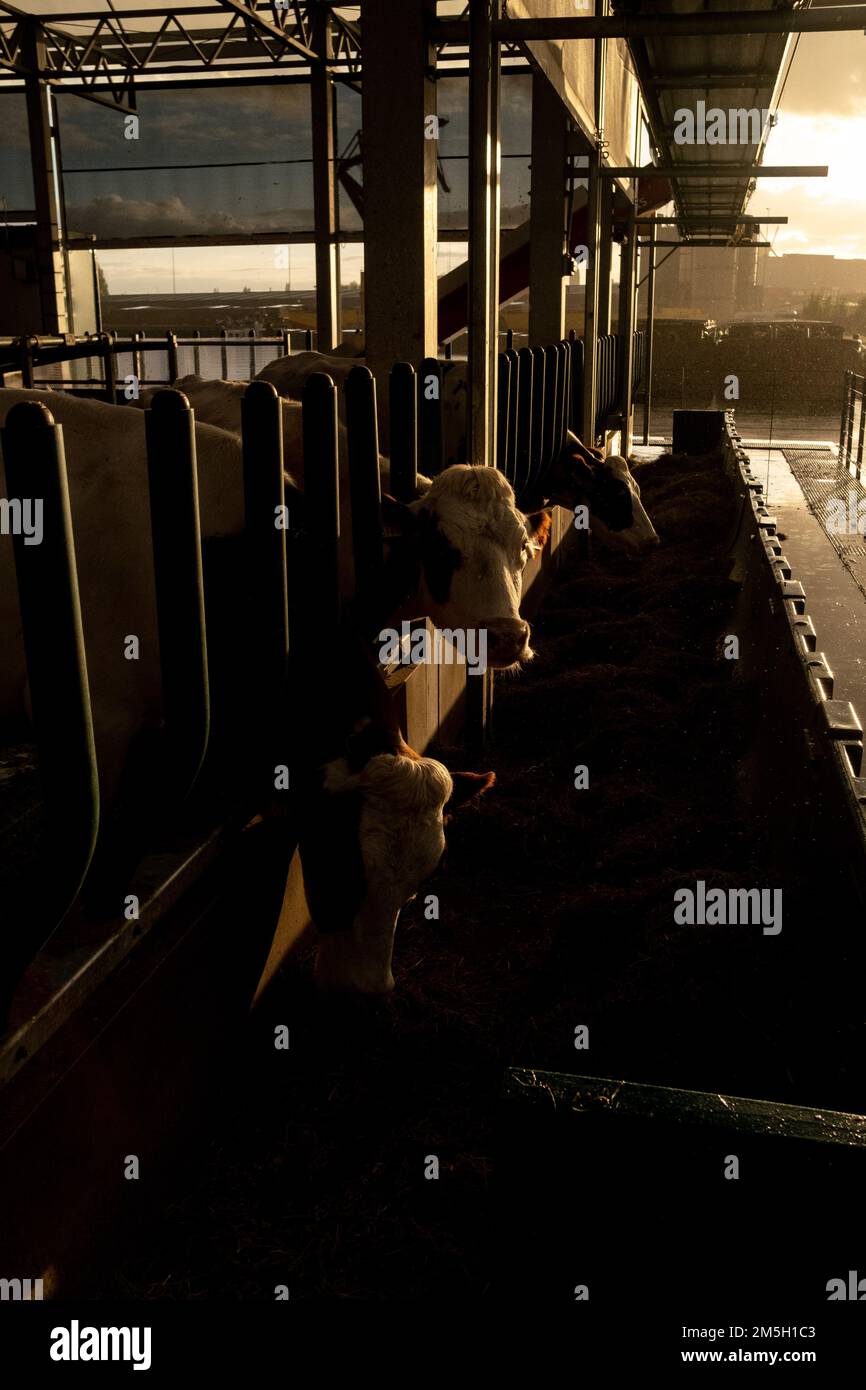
[114,216]
[826,215]
[827,77]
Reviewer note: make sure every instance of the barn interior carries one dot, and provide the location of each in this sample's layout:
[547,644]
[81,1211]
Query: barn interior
[485,192]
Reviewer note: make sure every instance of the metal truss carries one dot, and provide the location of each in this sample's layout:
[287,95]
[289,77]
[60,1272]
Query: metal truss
[102,55]
[104,61]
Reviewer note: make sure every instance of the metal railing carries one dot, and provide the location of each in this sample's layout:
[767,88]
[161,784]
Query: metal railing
[853,425]
[152,361]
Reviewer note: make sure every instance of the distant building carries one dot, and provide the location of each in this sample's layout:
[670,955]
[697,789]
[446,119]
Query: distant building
[713,282]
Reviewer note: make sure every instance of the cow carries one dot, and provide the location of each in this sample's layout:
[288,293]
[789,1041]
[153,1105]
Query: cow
[606,487]
[461,551]
[289,375]
[465,541]
[380,814]
[580,476]
[218,402]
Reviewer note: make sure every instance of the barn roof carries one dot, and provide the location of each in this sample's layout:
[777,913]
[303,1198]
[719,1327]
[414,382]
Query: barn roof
[727,72]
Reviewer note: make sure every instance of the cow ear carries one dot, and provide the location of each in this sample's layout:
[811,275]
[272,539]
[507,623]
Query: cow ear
[468,786]
[538,527]
[578,470]
[397,518]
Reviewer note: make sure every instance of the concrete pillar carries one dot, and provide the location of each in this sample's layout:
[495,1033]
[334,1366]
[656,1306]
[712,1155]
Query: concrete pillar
[547,214]
[50,267]
[328,318]
[399,145]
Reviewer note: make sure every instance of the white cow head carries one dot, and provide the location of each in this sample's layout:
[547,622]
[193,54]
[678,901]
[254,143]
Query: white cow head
[464,546]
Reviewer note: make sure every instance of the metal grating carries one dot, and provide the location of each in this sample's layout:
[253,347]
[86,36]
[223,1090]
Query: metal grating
[824,478]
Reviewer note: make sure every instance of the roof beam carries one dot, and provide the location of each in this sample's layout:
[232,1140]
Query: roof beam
[718,171]
[711,241]
[59,49]
[699,219]
[630,26]
[703,80]
[258,21]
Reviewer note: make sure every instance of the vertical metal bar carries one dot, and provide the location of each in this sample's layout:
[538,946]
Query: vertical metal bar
[551,402]
[593,214]
[539,405]
[171,347]
[403,411]
[364,483]
[328,327]
[509,340]
[286,337]
[503,402]
[25,358]
[136,357]
[448,350]
[266,566]
[315,568]
[483,231]
[525,415]
[308,340]
[49,236]
[605,257]
[322,500]
[97,296]
[513,417]
[625,335]
[430,436]
[576,348]
[860,433]
[264,501]
[224,353]
[563,398]
[35,466]
[650,328]
[174,517]
[846,387]
[196,352]
[252,337]
[109,368]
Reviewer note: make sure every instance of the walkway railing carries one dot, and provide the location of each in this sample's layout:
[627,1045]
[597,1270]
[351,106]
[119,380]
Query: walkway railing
[853,426]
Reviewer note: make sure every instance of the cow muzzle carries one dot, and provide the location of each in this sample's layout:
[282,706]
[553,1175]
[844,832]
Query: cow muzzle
[507,641]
